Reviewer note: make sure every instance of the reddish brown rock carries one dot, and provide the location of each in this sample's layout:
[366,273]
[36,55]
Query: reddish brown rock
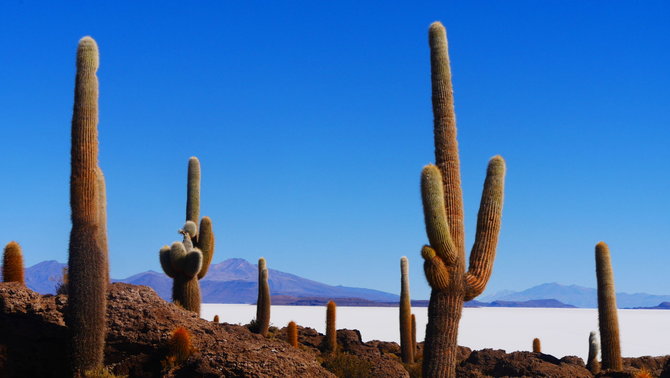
[33,334]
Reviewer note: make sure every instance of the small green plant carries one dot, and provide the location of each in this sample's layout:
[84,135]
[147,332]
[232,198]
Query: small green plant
[12,263]
[345,365]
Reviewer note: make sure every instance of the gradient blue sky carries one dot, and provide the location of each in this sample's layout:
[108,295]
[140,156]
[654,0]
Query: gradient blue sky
[312,121]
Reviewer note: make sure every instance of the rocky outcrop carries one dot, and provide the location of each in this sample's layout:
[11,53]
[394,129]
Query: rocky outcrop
[33,339]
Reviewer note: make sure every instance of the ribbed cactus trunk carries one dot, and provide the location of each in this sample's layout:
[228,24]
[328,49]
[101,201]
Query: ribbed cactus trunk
[331,327]
[608,320]
[592,361]
[263,304]
[406,347]
[292,334]
[12,264]
[537,346]
[414,335]
[87,262]
[102,219]
[443,211]
[186,292]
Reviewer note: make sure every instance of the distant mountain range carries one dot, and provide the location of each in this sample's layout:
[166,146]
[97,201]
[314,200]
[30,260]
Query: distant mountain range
[577,296]
[235,281]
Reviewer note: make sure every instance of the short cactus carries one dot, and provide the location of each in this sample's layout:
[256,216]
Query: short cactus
[592,361]
[180,348]
[216,319]
[263,303]
[292,334]
[406,349]
[444,264]
[12,263]
[188,261]
[331,329]
[537,347]
[182,262]
[608,320]
[88,268]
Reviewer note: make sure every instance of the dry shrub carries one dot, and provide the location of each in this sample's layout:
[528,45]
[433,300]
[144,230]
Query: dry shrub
[643,373]
[345,365]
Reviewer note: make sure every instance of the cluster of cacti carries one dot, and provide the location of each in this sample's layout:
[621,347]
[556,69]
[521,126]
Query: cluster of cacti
[263,304]
[12,263]
[443,210]
[87,262]
[592,361]
[331,330]
[406,345]
[292,334]
[608,320]
[187,262]
[537,347]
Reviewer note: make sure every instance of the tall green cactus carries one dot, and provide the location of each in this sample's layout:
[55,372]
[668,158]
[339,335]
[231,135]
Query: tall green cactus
[12,264]
[443,210]
[406,347]
[263,304]
[592,361]
[608,320]
[188,261]
[88,268]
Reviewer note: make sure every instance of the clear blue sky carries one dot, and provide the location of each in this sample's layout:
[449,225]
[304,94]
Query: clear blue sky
[313,120]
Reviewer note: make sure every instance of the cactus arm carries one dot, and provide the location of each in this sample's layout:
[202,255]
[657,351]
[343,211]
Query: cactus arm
[193,190]
[437,273]
[102,218]
[191,263]
[444,121]
[166,264]
[177,253]
[437,226]
[206,245]
[488,228]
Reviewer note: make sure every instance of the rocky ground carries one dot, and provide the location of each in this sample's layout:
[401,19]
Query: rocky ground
[33,344]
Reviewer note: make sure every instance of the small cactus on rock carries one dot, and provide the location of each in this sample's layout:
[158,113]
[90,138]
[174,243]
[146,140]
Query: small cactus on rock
[537,347]
[216,319]
[292,334]
[12,263]
[592,362]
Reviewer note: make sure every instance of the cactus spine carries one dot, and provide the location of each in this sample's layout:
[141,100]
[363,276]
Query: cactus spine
[407,352]
[592,362]
[263,303]
[292,334]
[537,347]
[331,329]
[87,261]
[607,310]
[12,263]
[443,210]
[188,261]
